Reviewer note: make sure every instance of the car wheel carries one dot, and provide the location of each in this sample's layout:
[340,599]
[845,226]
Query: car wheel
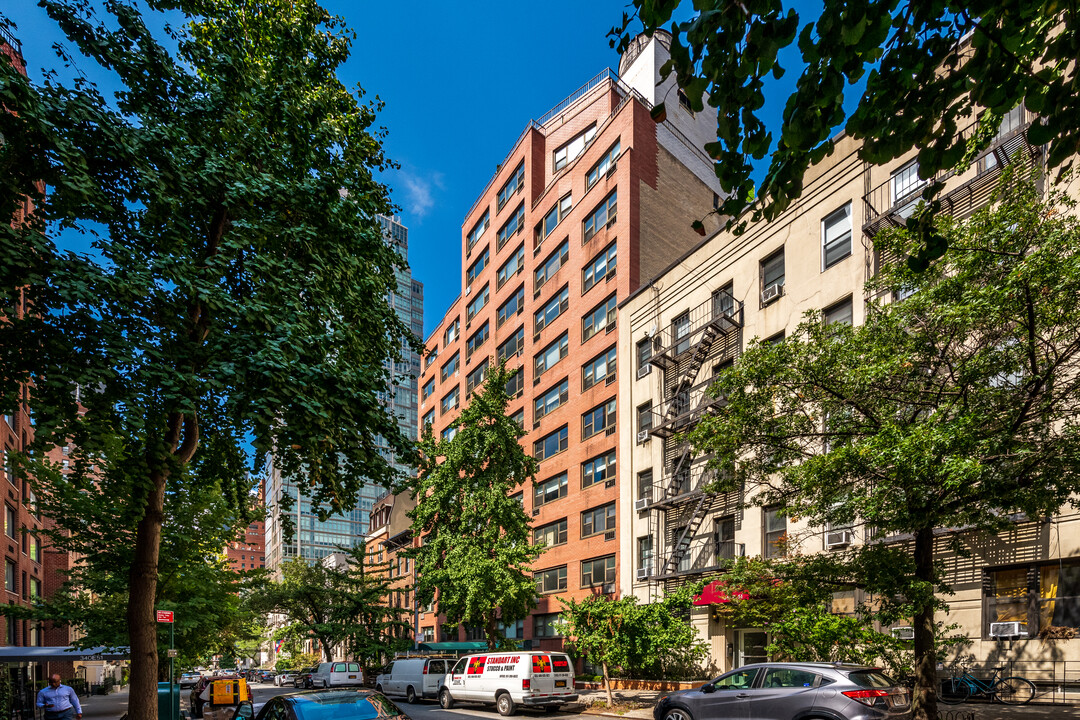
[378,688]
[410,695]
[505,705]
[678,714]
[446,700]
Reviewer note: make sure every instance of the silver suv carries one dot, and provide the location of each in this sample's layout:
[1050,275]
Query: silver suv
[786,691]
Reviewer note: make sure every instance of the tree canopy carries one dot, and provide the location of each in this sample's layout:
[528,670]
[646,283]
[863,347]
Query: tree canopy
[930,70]
[954,405]
[476,543]
[238,288]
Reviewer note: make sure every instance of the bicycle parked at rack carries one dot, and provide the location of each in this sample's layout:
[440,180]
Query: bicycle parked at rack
[1013,690]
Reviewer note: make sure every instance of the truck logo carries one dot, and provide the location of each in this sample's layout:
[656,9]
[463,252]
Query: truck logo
[476,665]
[541,664]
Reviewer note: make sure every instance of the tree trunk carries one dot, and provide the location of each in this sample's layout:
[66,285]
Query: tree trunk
[328,649]
[492,632]
[607,685]
[925,700]
[141,620]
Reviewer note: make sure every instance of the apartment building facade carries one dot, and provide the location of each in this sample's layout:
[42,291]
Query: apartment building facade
[592,198]
[694,319]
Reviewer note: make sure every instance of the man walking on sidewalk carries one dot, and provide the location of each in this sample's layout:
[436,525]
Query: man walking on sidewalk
[60,701]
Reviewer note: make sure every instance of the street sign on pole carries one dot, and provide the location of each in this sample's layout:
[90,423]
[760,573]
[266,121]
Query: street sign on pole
[173,652]
[165,616]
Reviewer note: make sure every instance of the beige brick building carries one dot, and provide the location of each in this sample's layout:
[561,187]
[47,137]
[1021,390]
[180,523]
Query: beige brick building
[688,322]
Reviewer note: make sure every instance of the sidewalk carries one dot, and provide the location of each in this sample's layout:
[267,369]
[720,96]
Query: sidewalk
[105,707]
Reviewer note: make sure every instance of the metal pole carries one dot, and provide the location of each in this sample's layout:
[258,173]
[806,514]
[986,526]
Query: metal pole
[172,686]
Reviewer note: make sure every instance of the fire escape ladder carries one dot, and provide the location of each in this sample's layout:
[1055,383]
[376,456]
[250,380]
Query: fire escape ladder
[675,478]
[682,544]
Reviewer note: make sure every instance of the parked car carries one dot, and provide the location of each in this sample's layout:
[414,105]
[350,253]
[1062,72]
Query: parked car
[337,674]
[786,691]
[196,702]
[302,679]
[285,678]
[341,704]
[189,679]
[509,679]
[413,678]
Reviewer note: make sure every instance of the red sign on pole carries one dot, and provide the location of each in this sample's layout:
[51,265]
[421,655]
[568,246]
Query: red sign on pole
[165,616]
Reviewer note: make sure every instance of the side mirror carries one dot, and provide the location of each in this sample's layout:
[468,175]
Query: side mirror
[244,711]
[707,688]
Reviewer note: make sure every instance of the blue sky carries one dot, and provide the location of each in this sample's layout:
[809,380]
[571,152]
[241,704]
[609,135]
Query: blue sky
[459,82]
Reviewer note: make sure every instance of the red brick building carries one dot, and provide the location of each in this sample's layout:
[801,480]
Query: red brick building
[249,553]
[593,199]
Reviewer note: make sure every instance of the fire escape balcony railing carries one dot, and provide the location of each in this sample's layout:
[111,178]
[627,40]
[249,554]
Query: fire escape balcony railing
[684,410]
[890,206]
[696,555]
[684,480]
[717,316]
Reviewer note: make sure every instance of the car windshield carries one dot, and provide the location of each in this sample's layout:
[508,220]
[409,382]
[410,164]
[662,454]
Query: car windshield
[346,705]
[871,679]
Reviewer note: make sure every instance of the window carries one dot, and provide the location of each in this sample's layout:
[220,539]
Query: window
[450,367]
[35,549]
[840,313]
[551,221]
[551,534]
[551,265]
[645,553]
[644,354]
[9,582]
[431,356]
[598,520]
[35,588]
[600,318]
[511,187]
[775,531]
[601,167]
[905,182]
[511,307]
[552,354]
[600,571]
[450,400]
[476,341]
[514,631]
[519,419]
[451,333]
[546,625]
[598,469]
[724,537]
[598,419]
[477,267]
[645,484]
[511,227]
[774,339]
[513,346]
[680,331]
[645,417]
[551,400]
[772,276]
[723,302]
[477,304]
[836,237]
[565,154]
[1039,595]
[549,581]
[476,378]
[552,444]
[788,678]
[599,369]
[555,307]
[515,385]
[511,267]
[601,268]
[429,388]
[10,528]
[429,419]
[684,102]
[478,230]
[603,214]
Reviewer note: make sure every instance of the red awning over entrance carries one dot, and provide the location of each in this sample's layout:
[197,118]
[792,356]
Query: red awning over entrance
[715,594]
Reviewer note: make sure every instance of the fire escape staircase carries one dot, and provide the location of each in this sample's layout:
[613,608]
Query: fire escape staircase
[682,544]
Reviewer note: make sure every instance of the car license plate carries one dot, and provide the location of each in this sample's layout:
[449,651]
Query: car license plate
[352,677]
[560,683]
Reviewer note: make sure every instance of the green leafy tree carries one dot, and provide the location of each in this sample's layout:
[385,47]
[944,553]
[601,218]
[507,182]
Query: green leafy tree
[956,406]
[603,630]
[336,606]
[476,551]
[922,83]
[238,286]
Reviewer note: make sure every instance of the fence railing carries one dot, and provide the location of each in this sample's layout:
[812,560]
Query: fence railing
[1056,681]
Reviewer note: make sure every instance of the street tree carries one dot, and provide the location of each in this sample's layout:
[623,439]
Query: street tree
[476,543]
[345,607]
[237,290]
[955,405]
[930,69]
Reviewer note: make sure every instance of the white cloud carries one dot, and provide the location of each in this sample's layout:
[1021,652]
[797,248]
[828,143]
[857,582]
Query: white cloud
[420,191]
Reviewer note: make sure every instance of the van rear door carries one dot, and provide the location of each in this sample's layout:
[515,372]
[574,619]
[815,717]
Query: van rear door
[562,674]
[541,683]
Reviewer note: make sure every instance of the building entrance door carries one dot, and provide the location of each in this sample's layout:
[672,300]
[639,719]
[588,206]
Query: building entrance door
[750,646]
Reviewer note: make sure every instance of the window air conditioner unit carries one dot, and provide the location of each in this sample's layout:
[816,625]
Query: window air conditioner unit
[609,483]
[838,538]
[609,535]
[536,511]
[644,370]
[610,327]
[642,504]
[643,573]
[610,380]
[1008,629]
[903,633]
[642,437]
[772,292]
[468,289]
[609,589]
[610,430]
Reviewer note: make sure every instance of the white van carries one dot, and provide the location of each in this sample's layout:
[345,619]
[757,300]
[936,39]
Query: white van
[509,679]
[337,674]
[413,678]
